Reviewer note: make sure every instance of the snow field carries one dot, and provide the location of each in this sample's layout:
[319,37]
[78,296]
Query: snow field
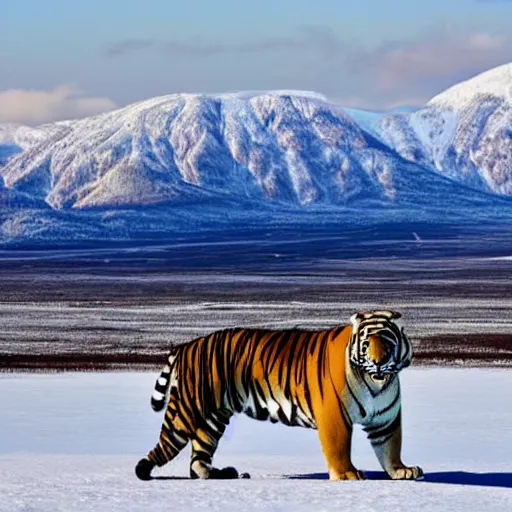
[70,442]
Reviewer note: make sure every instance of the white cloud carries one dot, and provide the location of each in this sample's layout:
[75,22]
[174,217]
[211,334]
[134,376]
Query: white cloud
[394,73]
[430,59]
[482,41]
[35,107]
[412,72]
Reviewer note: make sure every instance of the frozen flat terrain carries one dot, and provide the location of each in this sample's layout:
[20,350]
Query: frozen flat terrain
[456,310]
[70,441]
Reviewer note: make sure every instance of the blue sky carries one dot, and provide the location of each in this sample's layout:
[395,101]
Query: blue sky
[69,58]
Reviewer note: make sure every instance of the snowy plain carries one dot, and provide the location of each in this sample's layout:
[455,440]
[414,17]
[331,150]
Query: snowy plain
[70,441]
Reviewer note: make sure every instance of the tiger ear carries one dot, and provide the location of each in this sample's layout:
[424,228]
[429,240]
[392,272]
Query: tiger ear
[389,314]
[355,320]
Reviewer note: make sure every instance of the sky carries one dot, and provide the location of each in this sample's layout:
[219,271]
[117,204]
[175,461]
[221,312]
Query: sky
[65,58]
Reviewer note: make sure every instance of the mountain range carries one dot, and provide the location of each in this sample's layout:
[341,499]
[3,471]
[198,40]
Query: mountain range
[183,160]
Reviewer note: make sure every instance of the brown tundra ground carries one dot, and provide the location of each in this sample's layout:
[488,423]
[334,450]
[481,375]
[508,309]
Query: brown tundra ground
[124,313]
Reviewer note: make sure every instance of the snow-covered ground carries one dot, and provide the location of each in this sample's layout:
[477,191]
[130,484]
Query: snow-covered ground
[70,441]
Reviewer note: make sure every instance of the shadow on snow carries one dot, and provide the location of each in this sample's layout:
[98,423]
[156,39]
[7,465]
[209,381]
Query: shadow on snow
[441,477]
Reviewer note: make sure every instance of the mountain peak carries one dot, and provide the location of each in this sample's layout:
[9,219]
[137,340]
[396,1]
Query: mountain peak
[495,82]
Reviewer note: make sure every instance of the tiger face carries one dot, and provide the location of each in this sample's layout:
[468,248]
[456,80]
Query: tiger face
[379,347]
[378,354]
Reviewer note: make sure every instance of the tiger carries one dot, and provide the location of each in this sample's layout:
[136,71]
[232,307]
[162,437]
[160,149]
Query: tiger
[326,380]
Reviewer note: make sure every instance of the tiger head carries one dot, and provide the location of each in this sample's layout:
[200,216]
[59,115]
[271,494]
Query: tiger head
[378,346]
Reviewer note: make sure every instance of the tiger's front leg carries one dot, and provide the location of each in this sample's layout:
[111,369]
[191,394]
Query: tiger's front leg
[335,433]
[387,444]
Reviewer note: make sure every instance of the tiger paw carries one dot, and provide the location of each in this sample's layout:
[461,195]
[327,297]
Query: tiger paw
[407,473]
[228,473]
[143,469]
[353,474]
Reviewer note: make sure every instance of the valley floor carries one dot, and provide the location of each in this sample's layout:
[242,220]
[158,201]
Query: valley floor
[94,315]
[70,441]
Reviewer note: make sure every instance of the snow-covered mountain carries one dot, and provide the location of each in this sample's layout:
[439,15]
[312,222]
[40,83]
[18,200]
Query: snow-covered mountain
[284,147]
[16,138]
[464,133]
[263,150]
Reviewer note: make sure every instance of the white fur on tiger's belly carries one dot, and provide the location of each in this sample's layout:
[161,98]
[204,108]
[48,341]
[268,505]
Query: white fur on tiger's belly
[284,406]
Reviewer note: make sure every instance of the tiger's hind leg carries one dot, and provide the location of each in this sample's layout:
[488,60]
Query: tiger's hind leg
[171,442]
[204,445]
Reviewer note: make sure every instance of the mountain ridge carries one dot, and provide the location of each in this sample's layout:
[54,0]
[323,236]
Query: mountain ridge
[282,147]
[464,133]
[269,150]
